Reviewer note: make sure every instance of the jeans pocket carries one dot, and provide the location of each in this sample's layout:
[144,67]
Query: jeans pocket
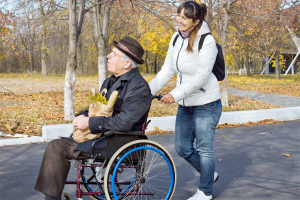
[209,106]
[218,106]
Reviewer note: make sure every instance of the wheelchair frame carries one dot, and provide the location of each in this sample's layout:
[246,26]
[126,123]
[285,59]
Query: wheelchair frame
[132,155]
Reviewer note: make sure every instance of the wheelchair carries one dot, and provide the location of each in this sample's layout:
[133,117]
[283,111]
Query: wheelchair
[129,166]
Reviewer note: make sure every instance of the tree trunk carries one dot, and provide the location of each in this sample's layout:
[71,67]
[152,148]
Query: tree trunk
[277,66]
[155,64]
[100,40]
[223,33]
[247,63]
[43,53]
[31,55]
[80,66]
[146,62]
[70,77]
[210,13]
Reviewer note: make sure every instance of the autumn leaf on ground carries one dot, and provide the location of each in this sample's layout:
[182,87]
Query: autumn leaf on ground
[286,154]
[218,140]
[8,128]
[263,133]
[223,136]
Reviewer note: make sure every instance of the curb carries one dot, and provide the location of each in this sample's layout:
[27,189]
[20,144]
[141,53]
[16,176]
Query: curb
[19,139]
[235,117]
[51,132]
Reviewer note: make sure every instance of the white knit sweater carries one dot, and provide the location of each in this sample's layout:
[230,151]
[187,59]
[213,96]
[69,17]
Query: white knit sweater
[193,70]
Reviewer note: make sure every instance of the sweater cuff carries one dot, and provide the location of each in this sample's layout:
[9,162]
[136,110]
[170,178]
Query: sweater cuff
[176,96]
[96,124]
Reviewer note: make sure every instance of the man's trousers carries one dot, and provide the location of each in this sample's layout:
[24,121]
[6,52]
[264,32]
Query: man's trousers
[55,166]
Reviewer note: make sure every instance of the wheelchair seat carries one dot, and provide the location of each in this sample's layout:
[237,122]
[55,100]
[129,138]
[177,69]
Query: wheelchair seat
[111,141]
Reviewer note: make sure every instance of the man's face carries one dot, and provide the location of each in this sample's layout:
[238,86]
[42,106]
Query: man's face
[115,63]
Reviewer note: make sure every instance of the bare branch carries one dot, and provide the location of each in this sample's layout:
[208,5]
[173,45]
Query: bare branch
[156,15]
[80,19]
[88,9]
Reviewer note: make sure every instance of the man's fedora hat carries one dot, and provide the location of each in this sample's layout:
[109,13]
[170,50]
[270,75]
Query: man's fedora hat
[131,48]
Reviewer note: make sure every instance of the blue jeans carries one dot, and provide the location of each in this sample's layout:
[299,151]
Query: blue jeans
[198,123]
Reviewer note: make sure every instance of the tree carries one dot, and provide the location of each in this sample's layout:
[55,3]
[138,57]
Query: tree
[70,77]
[224,13]
[101,37]
[44,14]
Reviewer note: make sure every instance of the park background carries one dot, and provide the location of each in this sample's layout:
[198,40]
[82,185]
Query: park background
[45,43]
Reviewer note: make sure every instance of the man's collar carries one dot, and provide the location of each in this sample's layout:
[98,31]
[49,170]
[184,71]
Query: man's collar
[129,74]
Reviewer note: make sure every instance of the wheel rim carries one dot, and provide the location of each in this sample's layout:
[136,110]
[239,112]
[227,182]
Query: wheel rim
[146,180]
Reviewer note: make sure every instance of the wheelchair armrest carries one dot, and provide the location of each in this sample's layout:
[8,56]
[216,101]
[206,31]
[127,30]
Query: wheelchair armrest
[111,132]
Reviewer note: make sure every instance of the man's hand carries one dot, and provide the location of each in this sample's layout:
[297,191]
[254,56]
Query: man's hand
[81,122]
[167,99]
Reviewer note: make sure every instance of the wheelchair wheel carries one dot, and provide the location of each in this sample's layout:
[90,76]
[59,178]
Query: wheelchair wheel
[141,169]
[66,196]
[91,184]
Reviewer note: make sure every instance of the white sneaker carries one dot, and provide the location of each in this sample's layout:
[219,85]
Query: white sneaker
[200,196]
[216,177]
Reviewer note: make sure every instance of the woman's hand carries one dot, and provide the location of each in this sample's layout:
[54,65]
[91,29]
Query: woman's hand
[168,99]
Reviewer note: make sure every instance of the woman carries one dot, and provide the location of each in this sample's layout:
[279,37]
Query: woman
[197,92]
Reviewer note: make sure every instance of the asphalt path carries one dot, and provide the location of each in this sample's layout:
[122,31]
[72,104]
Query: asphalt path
[250,161]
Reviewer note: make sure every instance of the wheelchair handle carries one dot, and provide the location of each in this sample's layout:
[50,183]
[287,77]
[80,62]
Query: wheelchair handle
[157,97]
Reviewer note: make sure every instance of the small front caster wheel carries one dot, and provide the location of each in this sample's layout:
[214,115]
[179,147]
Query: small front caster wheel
[66,196]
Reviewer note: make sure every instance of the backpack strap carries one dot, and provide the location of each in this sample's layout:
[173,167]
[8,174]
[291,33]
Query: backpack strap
[175,39]
[202,40]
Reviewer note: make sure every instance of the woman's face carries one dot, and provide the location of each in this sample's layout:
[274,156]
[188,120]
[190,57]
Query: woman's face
[185,23]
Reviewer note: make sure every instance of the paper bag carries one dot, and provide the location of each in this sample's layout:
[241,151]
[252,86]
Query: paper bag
[95,110]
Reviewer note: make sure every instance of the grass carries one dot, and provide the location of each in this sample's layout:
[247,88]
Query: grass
[287,85]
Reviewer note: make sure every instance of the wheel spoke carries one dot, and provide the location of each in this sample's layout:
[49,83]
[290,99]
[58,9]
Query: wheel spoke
[149,175]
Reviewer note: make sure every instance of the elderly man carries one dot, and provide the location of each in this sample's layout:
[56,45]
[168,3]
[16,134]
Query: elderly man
[130,111]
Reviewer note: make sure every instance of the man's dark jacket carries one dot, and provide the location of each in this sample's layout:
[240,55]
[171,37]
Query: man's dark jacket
[130,110]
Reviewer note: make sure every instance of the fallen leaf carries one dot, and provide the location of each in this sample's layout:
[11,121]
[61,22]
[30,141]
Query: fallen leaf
[17,163]
[24,157]
[263,133]
[271,147]
[218,140]
[286,154]
[223,136]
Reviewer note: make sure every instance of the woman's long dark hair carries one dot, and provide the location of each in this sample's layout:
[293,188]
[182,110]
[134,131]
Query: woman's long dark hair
[195,11]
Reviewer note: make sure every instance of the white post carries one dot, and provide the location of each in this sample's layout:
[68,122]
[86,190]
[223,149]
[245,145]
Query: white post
[293,69]
[267,63]
[292,64]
